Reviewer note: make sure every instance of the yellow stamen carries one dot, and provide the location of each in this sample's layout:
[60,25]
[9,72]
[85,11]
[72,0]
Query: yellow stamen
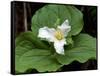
[59,35]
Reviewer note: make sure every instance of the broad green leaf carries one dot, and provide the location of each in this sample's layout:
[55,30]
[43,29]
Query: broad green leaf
[83,50]
[41,60]
[28,56]
[85,40]
[29,36]
[53,15]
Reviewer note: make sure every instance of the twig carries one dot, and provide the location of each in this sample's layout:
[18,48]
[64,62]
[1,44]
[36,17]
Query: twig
[25,17]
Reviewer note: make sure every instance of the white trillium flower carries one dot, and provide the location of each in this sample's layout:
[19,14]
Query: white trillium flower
[56,35]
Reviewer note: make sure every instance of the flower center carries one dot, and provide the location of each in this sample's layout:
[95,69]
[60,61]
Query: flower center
[59,35]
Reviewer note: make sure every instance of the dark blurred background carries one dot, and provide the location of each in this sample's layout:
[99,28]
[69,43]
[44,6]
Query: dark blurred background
[23,12]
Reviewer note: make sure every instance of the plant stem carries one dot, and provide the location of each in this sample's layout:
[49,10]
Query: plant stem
[25,17]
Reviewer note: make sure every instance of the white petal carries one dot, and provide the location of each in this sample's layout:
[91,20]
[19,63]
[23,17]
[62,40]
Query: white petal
[59,46]
[65,28]
[47,33]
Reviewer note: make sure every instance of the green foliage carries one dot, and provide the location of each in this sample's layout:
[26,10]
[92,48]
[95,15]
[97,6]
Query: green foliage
[49,15]
[30,37]
[85,40]
[28,56]
[31,52]
[84,49]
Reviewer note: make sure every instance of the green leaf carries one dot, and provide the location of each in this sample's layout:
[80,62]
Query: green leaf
[50,15]
[85,40]
[83,50]
[28,56]
[41,61]
[69,40]
[29,36]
